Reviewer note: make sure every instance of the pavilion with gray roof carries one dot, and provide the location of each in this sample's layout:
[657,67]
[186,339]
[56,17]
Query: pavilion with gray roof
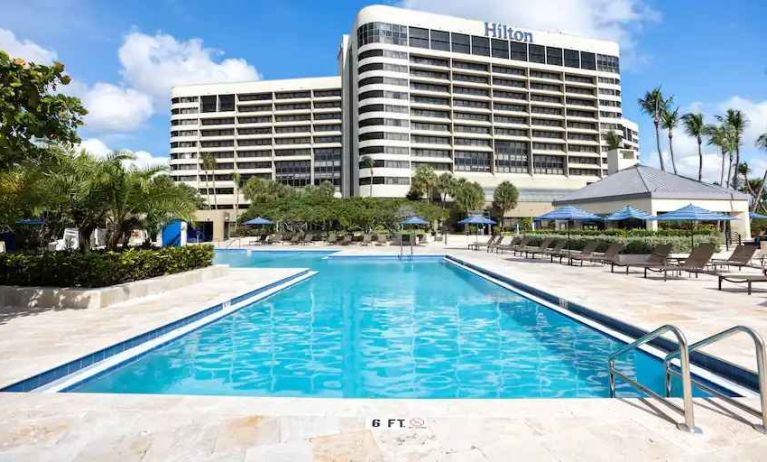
[655,191]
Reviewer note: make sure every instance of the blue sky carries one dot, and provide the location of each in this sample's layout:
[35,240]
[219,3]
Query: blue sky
[124,56]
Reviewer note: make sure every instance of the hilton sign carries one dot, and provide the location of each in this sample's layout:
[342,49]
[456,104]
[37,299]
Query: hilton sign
[502,31]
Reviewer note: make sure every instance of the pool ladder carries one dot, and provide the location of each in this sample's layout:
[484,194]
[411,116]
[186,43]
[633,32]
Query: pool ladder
[683,370]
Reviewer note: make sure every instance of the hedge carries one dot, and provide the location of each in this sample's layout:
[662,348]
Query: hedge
[634,245]
[100,268]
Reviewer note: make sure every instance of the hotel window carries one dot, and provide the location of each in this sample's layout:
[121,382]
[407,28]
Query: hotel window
[327,104]
[470,91]
[417,99]
[292,107]
[547,134]
[208,104]
[509,95]
[423,139]
[608,64]
[508,70]
[224,132]
[554,56]
[292,118]
[256,142]
[253,120]
[511,157]
[440,40]
[383,108]
[579,79]
[572,58]
[326,93]
[292,152]
[328,128]
[218,121]
[510,132]
[428,74]
[547,122]
[226,103]
[471,103]
[480,46]
[508,83]
[384,136]
[255,97]
[548,147]
[472,142]
[382,67]
[471,116]
[437,166]
[419,38]
[429,87]
[546,99]
[247,154]
[472,129]
[500,48]
[546,110]
[537,54]
[381,32]
[327,116]
[261,108]
[509,107]
[549,165]
[583,172]
[429,113]
[460,43]
[396,150]
[427,60]
[471,78]
[293,173]
[471,161]
[382,94]
[293,129]
[519,51]
[423,152]
[380,122]
[430,127]
[503,119]
[382,81]
[470,66]
[588,61]
[293,95]
[297,140]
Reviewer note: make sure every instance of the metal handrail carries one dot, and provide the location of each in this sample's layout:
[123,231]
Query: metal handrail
[761,367]
[687,410]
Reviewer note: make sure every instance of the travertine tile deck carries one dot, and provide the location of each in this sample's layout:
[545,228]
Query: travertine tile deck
[35,342]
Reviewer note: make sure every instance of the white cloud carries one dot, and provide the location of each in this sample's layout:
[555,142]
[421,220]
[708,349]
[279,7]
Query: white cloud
[155,63]
[113,108]
[617,20]
[26,49]
[142,159]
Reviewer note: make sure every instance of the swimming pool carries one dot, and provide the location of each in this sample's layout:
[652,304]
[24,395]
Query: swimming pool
[382,328]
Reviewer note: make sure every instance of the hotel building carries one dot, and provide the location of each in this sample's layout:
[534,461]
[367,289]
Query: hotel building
[483,100]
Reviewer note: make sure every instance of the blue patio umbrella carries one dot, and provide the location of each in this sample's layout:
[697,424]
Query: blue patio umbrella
[569,213]
[476,220]
[756,216]
[414,220]
[628,213]
[694,214]
[31,222]
[259,221]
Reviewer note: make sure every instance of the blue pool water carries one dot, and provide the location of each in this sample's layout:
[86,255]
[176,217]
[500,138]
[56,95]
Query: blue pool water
[382,328]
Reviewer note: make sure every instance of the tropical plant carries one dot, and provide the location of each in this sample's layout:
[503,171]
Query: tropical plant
[425,182]
[505,198]
[367,162]
[445,186]
[761,143]
[669,120]
[209,165]
[696,127]
[736,121]
[261,190]
[653,104]
[34,112]
[613,140]
[468,195]
[718,136]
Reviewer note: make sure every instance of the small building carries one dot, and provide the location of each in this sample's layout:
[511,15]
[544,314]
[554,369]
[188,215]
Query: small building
[656,192]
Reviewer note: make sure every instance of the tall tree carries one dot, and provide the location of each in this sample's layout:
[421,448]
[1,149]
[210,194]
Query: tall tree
[613,140]
[696,127]
[737,122]
[718,136]
[445,186]
[367,162]
[468,195]
[669,120]
[209,165]
[653,104]
[425,181]
[33,112]
[504,199]
[761,143]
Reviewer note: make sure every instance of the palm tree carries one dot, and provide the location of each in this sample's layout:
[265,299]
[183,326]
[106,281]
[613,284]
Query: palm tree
[761,143]
[425,181]
[654,104]
[694,126]
[718,136]
[209,164]
[367,162]
[669,120]
[736,121]
[445,186]
[613,140]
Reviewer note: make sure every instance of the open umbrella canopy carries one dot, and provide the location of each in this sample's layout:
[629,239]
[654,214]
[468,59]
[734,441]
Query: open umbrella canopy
[569,213]
[628,213]
[476,220]
[31,222]
[692,213]
[414,220]
[259,221]
[757,216]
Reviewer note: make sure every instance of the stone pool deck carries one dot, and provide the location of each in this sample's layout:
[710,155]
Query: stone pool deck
[46,426]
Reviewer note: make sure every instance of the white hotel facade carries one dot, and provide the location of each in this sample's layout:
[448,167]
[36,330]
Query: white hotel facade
[483,100]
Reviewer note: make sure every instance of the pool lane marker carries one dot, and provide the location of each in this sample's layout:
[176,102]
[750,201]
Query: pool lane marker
[74,372]
[562,308]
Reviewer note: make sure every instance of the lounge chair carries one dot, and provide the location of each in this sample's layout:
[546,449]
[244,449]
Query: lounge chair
[275,238]
[610,255]
[260,241]
[367,239]
[347,239]
[742,278]
[499,242]
[540,250]
[694,264]
[740,257]
[479,245]
[332,239]
[558,251]
[514,245]
[381,239]
[657,258]
[296,239]
[585,254]
[308,238]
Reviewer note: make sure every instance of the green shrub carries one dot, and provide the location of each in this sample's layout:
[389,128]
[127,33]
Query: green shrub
[634,245]
[100,269]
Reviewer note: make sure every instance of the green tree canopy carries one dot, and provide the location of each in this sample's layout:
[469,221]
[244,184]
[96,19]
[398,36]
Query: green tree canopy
[424,182]
[32,111]
[504,199]
[468,195]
